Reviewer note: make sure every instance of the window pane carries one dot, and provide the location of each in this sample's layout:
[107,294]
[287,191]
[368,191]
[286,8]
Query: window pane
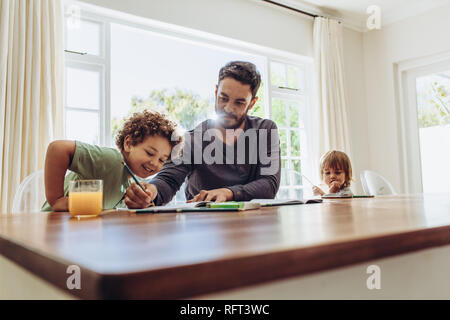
[279,112]
[277,74]
[83,88]
[297,193]
[293,114]
[283,193]
[292,74]
[283,142]
[433,111]
[84,36]
[82,126]
[168,75]
[258,108]
[301,79]
[297,174]
[258,111]
[296,166]
[295,143]
[284,178]
[303,143]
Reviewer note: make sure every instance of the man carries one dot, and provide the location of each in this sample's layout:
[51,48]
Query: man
[235,157]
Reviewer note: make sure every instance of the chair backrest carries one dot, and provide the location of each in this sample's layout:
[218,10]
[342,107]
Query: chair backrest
[30,195]
[375,184]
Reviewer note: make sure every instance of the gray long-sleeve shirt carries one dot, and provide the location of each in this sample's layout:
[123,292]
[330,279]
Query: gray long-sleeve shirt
[250,168]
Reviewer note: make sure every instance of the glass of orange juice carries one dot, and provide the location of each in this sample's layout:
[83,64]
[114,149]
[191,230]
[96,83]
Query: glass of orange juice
[85,198]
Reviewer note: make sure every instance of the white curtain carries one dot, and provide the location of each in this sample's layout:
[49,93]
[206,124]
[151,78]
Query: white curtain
[333,129]
[31,88]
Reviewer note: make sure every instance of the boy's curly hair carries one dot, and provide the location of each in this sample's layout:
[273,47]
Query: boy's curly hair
[148,123]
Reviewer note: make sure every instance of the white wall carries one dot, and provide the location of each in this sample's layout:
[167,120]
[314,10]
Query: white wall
[264,24]
[248,20]
[414,37]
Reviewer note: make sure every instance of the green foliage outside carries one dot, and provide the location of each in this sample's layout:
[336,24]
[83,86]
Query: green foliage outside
[183,106]
[189,109]
[258,108]
[434,106]
[186,107]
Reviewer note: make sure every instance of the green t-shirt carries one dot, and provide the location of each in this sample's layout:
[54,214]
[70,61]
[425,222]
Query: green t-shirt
[94,162]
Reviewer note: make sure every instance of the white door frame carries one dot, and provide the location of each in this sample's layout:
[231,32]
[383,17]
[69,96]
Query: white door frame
[405,73]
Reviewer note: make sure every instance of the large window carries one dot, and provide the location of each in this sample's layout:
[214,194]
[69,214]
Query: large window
[115,67]
[149,70]
[287,110]
[86,86]
[433,111]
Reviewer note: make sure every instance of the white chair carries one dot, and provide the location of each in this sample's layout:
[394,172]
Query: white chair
[375,184]
[30,195]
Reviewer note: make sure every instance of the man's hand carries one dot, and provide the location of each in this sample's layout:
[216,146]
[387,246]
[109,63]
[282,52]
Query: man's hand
[317,191]
[136,198]
[334,187]
[217,195]
[61,204]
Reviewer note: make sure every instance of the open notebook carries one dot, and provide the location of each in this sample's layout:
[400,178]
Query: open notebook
[201,206]
[222,206]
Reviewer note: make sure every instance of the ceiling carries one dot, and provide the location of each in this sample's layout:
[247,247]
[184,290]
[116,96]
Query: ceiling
[353,12]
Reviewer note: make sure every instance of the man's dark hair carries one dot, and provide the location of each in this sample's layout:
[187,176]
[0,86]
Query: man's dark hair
[244,72]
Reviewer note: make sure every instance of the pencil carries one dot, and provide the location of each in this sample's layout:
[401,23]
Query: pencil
[308,179]
[136,180]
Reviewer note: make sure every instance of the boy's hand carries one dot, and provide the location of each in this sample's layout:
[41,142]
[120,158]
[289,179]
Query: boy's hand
[136,198]
[61,204]
[335,187]
[217,195]
[317,191]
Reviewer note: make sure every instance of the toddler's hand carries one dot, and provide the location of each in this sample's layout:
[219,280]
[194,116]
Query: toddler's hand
[335,187]
[317,191]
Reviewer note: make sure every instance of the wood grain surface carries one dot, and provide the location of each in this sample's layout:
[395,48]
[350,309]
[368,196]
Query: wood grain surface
[157,256]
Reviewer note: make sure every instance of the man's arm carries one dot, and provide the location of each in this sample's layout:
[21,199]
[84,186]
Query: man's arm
[169,180]
[267,180]
[265,187]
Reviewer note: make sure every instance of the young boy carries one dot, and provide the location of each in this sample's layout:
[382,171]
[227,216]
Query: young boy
[145,143]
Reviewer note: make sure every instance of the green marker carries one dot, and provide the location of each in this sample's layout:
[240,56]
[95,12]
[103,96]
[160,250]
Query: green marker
[225,205]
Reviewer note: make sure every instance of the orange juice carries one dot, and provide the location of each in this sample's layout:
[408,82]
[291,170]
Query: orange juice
[85,203]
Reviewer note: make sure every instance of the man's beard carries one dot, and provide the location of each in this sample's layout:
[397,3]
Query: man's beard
[236,125]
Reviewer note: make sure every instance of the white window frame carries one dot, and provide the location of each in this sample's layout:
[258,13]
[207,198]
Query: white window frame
[406,73]
[302,98]
[101,63]
[304,64]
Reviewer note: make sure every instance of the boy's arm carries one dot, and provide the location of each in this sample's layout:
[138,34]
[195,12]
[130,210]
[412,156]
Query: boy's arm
[58,159]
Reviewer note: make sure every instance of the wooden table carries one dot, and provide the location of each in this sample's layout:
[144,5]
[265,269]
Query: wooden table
[124,255]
